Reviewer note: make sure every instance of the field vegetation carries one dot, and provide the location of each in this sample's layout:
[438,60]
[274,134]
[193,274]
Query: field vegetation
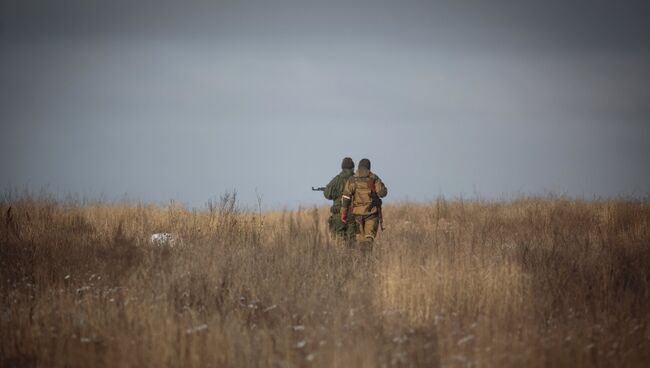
[534,282]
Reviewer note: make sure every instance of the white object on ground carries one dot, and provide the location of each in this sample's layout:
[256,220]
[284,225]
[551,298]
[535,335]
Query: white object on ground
[192,330]
[163,239]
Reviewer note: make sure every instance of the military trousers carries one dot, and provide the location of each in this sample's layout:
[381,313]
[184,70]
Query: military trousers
[341,230]
[367,226]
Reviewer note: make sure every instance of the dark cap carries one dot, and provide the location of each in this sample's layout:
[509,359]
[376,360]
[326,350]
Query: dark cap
[347,163]
[365,163]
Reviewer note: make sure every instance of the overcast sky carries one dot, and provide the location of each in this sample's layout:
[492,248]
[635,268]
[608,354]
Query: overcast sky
[189,99]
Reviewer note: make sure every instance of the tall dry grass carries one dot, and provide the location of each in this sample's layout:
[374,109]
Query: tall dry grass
[533,282]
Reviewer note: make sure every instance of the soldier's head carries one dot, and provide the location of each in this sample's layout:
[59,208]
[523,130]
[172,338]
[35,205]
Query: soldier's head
[365,163]
[347,163]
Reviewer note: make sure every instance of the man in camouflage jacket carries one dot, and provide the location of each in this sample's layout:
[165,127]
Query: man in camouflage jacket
[333,191]
[362,192]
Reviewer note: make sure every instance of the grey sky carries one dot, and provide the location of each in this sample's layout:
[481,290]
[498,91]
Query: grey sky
[185,100]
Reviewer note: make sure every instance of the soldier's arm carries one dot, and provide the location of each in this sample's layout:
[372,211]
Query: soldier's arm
[380,188]
[346,197]
[330,189]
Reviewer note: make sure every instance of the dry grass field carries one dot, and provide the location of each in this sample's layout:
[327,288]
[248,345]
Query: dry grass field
[534,282]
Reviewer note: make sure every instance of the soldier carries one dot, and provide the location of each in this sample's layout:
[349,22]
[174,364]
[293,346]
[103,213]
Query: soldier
[363,192]
[333,191]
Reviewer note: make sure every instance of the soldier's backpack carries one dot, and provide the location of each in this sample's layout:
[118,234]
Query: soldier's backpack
[364,193]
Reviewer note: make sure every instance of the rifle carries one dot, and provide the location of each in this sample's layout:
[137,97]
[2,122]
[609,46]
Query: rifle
[318,189]
[377,202]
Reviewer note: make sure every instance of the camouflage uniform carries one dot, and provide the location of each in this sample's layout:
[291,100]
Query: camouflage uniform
[333,191]
[357,193]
